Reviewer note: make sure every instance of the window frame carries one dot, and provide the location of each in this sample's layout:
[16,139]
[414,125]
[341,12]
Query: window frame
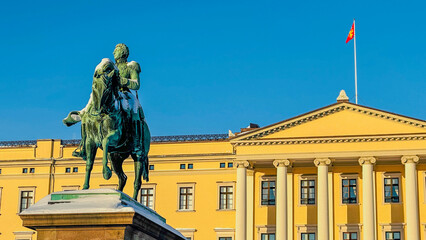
[349,176]
[187,232]
[309,233]
[225,232]
[392,175]
[267,178]
[185,185]
[393,227]
[306,228]
[225,184]
[70,187]
[154,190]
[268,234]
[349,228]
[25,189]
[265,229]
[307,177]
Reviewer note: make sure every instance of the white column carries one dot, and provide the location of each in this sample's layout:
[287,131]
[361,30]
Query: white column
[281,199]
[368,213]
[241,201]
[411,197]
[322,204]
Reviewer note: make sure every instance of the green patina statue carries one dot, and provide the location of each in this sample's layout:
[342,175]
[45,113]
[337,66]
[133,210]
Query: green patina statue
[113,120]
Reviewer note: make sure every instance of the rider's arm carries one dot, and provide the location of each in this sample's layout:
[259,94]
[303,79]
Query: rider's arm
[134,81]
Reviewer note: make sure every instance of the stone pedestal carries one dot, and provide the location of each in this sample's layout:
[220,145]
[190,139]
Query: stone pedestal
[100,214]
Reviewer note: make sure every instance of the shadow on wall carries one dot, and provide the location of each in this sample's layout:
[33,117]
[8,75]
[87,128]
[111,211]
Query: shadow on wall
[312,214]
[353,214]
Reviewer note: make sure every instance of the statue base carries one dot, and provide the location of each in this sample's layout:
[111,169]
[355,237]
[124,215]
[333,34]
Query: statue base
[102,214]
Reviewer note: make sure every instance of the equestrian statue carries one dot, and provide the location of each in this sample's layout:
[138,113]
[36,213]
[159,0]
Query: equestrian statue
[113,120]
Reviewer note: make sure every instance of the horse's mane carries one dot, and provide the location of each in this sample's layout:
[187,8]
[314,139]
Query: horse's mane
[105,85]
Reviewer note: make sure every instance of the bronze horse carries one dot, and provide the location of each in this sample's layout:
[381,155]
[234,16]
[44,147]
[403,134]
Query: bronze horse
[106,125]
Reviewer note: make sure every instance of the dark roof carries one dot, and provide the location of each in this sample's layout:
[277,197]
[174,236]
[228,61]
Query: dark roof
[156,139]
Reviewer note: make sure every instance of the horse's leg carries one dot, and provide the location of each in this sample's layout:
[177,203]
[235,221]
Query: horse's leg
[138,174]
[91,154]
[112,137]
[117,165]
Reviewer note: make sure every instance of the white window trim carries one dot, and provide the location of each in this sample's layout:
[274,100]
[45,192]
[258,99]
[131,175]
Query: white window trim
[225,232]
[21,189]
[392,175]
[306,228]
[349,228]
[392,227]
[23,235]
[265,229]
[267,178]
[307,177]
[179,185]
[187,232]
[154,190]
[109,186]
[344,176]
[1,194]
[225,184]
[70,187]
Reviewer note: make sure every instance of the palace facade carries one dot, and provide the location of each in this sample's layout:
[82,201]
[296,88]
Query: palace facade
[341,172]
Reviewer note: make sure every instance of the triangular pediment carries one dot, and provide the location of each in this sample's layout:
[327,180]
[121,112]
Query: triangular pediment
[338,120]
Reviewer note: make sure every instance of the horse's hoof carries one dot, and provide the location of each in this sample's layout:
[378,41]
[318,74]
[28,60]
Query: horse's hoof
[85,187]
[107,173]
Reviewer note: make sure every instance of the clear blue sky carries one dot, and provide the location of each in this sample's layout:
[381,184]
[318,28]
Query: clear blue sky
[208,66]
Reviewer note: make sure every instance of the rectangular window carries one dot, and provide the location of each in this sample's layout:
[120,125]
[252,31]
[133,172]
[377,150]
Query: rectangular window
[185,198]
[75,169]
[391,190]
[267,236]
[307,192]
[0,170]
[26,200]
[67,170]
[147,197]
[268,192]
[190,166]
[225,238]
[32,170]
[25,170]
[222,165]
[230,165]
[393,235]
[151,167]
[182,166]
[307,236]
[226,197]
[350,236]
[349,191]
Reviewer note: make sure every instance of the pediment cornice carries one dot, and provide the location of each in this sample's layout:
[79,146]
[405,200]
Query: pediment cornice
[256,135]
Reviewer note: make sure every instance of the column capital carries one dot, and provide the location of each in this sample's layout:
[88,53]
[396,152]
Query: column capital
[242,164]
[409,159]
[281,163]
[322,162]
[366,160]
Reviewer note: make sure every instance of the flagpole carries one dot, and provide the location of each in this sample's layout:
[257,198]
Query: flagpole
[356,83]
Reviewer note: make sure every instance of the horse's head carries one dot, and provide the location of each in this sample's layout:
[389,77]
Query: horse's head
[105,83]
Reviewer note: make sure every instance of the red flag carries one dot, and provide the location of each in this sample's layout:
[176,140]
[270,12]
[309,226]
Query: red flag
[351,33]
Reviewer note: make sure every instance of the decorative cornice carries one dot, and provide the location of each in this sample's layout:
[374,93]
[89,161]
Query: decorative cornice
[409,159]
[380,138]
[322,162]
[241,164]
[338,108]
[281,163]
[366,160]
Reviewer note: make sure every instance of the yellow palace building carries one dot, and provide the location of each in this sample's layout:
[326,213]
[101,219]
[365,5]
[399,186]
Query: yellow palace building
[341,172]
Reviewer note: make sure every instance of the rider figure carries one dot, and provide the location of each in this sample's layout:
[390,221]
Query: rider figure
[129,80]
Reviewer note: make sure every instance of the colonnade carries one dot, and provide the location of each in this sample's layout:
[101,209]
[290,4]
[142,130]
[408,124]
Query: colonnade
[323,221]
